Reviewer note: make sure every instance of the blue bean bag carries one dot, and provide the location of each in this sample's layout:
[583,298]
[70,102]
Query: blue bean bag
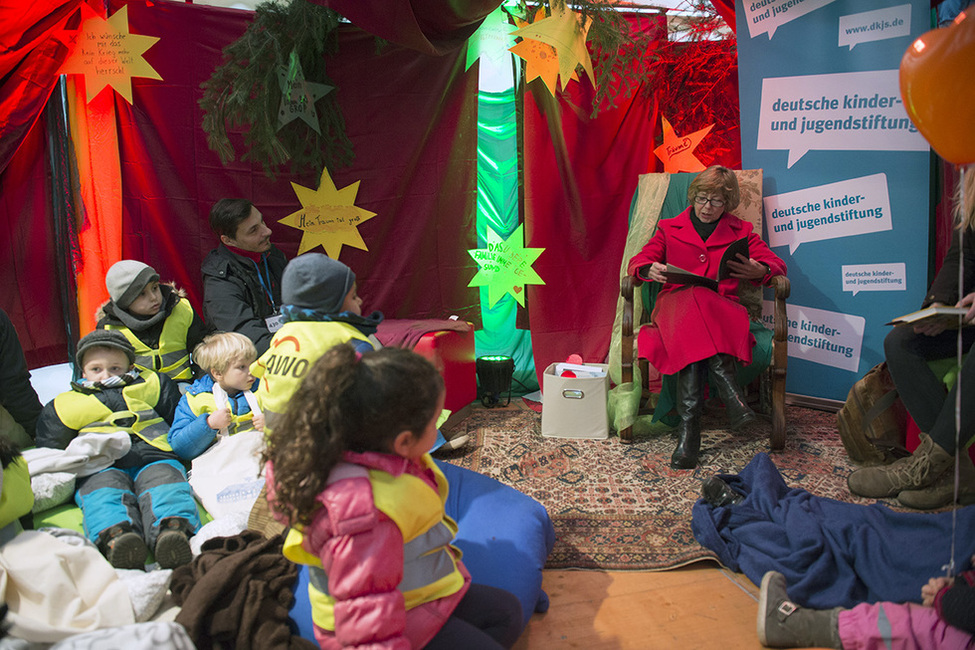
[505,535]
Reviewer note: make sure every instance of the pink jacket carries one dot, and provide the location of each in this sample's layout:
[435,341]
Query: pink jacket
[361,551]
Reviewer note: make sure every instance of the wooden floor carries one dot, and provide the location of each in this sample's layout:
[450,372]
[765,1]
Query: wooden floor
[698,606]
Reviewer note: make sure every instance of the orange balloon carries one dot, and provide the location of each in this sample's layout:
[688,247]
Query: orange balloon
[937,79]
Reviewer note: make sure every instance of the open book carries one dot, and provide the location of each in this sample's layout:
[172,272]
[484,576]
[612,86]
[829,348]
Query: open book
[677,275]
[939,311]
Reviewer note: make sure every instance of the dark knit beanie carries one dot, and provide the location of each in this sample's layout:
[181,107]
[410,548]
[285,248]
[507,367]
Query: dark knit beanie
[112,339]
[126,280]
[315,281]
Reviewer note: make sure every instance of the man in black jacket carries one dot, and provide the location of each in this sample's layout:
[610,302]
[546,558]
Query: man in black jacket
[242,276]
[19,406]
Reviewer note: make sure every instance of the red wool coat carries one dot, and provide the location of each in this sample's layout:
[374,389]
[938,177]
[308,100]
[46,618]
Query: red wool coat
[689,324]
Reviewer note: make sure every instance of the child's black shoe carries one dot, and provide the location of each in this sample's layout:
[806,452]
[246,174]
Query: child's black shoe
[172,546]
[124,548]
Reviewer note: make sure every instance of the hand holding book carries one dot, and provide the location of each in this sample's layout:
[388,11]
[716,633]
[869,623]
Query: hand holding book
[937,317]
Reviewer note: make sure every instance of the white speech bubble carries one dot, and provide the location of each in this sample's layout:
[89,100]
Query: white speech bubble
[877,25]
[829,338]
[874,277]
[846,111]
[852,207]
[766,16]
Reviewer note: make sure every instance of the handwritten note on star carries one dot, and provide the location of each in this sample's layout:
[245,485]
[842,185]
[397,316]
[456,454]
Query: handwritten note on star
[106,53]
[565,33]
[328,217]
[505,266]
[677,152]
[298,96]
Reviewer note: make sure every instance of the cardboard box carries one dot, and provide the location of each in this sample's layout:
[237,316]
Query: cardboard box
[575,407]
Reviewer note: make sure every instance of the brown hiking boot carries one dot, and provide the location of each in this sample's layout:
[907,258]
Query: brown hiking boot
[173,545]
[942,491]
[919,470]
[123,548]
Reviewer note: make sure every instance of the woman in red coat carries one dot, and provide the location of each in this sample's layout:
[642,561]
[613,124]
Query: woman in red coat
[693,328]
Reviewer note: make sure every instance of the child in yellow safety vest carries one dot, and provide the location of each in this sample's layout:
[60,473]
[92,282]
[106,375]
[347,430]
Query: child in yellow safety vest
[142,500]
[222,399]
[348,469]
[156,319]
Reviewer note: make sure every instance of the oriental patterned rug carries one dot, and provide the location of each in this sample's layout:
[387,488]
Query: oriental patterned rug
[617,506]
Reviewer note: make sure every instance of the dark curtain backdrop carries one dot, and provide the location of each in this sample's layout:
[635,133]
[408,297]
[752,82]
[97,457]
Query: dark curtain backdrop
[412,121]
[29,284]
[580,175]
[30,292]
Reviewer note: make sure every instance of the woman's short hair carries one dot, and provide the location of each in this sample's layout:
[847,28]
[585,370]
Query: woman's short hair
[716,180]
[217,351]
[227,214]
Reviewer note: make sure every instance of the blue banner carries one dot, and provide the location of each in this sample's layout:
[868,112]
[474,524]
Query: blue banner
[846,174]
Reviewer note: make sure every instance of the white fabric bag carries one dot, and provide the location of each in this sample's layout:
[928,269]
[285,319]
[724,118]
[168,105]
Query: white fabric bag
[226,478]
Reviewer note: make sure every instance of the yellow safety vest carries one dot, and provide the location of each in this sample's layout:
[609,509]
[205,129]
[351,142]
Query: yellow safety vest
[430,569]
[204,402]
[86,413]
[293,350]
[171,358]
[17,498]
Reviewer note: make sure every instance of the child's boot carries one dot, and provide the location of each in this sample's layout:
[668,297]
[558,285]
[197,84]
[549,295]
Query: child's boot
[123,547]
[172,545]
[783,624]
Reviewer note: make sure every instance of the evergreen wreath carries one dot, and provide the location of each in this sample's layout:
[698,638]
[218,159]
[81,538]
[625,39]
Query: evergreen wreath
[244,93]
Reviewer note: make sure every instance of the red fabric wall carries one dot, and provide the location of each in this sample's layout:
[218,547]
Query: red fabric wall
[414,155]
[580,175]
[30,293]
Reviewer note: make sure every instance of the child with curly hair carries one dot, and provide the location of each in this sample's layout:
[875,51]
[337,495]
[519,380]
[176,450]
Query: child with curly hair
[348,469]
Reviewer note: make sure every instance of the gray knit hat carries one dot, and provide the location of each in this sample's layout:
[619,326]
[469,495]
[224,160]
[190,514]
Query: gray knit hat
[316,281]
[126,280]
[104,339]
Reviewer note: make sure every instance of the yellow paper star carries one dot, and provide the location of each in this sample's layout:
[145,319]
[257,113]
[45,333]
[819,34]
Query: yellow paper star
[505,266]
[106,53]
[677,153]
[566,32]
[329,217]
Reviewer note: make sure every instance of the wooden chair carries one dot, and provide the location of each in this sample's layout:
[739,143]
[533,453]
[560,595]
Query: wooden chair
[664,196]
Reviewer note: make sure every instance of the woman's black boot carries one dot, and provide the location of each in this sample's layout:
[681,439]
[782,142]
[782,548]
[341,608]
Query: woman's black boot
[689,406]
[723,371]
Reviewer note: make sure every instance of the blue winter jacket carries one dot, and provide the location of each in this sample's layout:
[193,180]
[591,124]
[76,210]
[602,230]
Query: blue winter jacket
[190,434]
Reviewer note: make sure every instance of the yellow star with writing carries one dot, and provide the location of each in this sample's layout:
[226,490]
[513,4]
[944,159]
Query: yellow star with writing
[106,53]
[505,266]
[677,152]
[565,31]
[328,217]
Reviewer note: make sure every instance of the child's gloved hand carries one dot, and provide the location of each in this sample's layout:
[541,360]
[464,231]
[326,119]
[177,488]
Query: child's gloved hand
[219,419]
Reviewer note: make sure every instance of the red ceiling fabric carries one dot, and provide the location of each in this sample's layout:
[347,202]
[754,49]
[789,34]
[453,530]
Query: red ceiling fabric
[415,155]
[30,57]
[580,175]
[434,27]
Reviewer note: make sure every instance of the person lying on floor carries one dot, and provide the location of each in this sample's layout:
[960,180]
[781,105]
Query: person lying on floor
[143,500]
[695,329]
[156,319]
[944,619]
[926,479]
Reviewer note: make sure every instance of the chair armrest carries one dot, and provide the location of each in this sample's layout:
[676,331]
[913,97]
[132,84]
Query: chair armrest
[782,288]
[627,287]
